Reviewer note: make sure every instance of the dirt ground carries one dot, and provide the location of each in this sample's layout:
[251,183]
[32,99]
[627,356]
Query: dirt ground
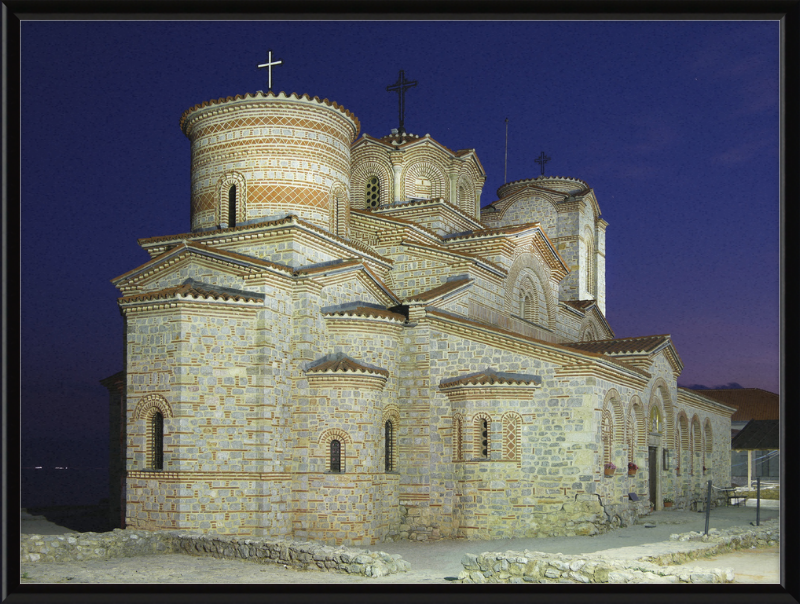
[435,562]
[752,566]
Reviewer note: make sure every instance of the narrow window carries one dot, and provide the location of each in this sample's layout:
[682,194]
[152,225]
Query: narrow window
[157,437]
[606,435]
[336,456]
[232,206]
[482,437]
[457,436]
[373,192]
[388,445]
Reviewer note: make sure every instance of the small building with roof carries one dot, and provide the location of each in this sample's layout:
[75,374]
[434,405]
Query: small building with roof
[346,347]
[752,405]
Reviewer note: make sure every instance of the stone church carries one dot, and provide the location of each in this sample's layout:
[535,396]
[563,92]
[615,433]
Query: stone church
[346,347]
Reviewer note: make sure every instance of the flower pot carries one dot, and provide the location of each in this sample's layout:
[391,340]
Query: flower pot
[667,504]
[631,472]
[609,472]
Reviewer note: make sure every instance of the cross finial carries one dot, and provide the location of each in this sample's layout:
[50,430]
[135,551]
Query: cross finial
[400,86]
[269,65]
[542,160]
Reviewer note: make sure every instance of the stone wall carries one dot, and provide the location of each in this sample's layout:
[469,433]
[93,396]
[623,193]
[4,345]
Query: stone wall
[540,567]
[118,543]
[127,543]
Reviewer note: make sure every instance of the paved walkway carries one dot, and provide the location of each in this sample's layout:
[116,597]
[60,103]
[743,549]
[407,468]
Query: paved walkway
[434,562]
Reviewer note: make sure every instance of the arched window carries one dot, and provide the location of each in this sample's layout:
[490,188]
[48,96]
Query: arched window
[528,310]
[607,435]
[232,206]
[388,445]
[630,434]
[336,456]
[157,441]
[656,424]
[372,196]
[482,443]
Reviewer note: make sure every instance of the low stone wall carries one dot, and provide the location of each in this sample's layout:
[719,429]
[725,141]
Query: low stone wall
[118,543]
[300,555]
[539,567]
[121,543]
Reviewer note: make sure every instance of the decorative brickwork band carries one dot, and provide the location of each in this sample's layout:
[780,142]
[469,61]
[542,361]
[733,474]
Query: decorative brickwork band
[458,437]
[150,404]
[512,424]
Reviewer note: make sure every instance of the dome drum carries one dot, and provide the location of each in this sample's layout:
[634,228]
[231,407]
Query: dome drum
[268,155]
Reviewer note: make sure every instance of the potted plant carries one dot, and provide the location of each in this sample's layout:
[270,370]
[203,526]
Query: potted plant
[609,469]
[632,467]
[668,502]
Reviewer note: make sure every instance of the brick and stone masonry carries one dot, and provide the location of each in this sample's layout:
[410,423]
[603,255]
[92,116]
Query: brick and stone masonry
[315,361]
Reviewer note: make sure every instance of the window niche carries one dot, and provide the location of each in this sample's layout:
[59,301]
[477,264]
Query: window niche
[157,441]
[336,457]
[388,445]
[372,194]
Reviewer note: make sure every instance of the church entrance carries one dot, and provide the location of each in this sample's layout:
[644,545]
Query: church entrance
[652,468]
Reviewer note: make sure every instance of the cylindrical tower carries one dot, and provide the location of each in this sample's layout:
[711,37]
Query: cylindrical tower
[262,155]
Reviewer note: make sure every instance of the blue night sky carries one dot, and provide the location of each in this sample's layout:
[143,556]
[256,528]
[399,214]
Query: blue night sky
[674,125]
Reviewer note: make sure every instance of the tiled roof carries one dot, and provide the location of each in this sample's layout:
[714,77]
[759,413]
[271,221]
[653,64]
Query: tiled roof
[409,139]
[114,380]
[440,290]
[260,225]
[346,365]
[563,347]
[191,290]
[758,435]
[457,252]
[269,94]
[202,249]
[542,179]
[489,377]
[580,304]
[506,230]
[640,345]
[421,202]
[400,221]
[312,270]
[750,403]
[367,311]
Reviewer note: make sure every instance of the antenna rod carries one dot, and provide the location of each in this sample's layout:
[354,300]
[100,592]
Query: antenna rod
[505,170]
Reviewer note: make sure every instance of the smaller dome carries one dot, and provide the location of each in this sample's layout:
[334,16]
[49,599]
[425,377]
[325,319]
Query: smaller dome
[563,184]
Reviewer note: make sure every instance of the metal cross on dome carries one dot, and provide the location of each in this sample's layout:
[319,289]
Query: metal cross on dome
[269,65]
[542,160]
[400,86]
